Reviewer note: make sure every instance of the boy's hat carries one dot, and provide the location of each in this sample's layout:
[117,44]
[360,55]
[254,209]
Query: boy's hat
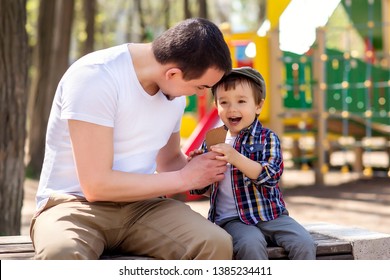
[252,74]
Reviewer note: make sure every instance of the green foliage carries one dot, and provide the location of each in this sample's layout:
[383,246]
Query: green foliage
[32,8]
[30,174]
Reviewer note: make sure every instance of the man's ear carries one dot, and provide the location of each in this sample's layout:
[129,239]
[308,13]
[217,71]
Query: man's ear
[173,72]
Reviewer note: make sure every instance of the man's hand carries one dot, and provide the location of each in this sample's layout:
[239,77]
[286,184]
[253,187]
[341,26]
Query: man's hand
[202,171]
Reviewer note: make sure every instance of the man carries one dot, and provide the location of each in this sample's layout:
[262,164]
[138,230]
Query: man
[113,150]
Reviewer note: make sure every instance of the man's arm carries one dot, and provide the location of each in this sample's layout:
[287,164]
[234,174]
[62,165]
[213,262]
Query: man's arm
[170,157]
[93,152]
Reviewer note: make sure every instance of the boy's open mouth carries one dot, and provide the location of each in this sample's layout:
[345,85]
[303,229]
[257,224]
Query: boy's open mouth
[234,120]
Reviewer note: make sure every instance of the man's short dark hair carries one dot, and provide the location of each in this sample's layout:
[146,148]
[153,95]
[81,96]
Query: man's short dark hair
[194,45]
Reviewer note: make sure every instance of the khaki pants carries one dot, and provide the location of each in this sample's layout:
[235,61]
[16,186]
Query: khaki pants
[70,227]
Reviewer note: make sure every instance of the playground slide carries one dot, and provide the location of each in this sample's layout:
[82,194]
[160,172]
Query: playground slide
[209,121]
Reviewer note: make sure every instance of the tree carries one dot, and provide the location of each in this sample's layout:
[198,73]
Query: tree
[51,59]
[13,103]
[89,9]
[187,11]
[203,9]
[142,24]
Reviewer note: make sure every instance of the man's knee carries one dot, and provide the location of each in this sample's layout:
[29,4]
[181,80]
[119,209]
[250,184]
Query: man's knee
[223,241]
[64,250]
[216,245]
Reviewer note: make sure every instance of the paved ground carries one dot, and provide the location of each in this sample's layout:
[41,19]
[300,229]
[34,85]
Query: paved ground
[345,200]
[363,203]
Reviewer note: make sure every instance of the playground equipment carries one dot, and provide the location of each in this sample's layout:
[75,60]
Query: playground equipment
[343,100]
[326,103]
[200,111]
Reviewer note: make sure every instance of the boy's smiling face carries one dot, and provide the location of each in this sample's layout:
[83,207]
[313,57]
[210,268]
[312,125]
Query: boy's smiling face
[236,107]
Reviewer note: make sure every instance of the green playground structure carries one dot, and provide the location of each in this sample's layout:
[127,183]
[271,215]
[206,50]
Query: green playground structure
[357,94]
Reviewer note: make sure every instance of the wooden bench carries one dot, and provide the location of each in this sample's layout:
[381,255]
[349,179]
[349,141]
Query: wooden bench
[328,248]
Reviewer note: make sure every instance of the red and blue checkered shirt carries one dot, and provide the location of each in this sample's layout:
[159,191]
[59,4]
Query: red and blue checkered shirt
[255,199]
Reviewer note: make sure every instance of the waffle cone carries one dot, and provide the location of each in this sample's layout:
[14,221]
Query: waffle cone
[215,136]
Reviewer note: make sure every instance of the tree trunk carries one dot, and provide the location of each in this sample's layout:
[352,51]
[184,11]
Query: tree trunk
[13,100]
[203,9]
[142,24]
[167,15]
[89,9]
[52,60]
[187,11]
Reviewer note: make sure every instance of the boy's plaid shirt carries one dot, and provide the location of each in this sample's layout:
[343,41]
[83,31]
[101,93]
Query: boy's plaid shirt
[259,199]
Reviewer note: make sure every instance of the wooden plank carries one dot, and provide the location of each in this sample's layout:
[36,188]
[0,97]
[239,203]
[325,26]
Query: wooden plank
[17,250]
[17,256]
[327,245]
[323,250]
[276,253]
[336,257]
[124,257]
[328,248]
[17,239]
[9,248]
[334,248]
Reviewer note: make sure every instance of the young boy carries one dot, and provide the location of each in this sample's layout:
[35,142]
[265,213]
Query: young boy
[248,203]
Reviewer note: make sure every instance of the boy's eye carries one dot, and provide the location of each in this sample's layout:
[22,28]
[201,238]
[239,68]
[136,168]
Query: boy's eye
[241,101]
[201,87]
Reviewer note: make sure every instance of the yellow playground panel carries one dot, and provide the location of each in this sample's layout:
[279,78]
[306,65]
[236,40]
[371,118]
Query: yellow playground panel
[238,43]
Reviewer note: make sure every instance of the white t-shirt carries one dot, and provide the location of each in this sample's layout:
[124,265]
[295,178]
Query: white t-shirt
[225,206]
[102,88]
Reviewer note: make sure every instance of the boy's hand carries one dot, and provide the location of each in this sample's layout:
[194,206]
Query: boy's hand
[226,151]
[193,154]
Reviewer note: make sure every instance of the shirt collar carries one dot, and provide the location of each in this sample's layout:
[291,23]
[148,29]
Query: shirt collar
[251,129]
